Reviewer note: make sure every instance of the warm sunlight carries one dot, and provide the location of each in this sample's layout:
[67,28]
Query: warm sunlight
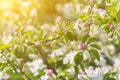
[59,39]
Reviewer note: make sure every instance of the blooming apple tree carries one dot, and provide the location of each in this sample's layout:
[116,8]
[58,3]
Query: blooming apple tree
[87,48]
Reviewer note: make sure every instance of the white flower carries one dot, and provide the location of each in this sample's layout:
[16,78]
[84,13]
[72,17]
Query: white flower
[111,48]
[6,38]
[95,74]
[35,66]
[47,77]
[59,52]
[4,76]
[34,13]
[58,19]
[25,4]
[37,43]
[86,55]
[119,77]
[80,76]
[79,25]
[32,56]
[67,10]
[44,77]
[70,57]
[87,9]
[71,70]
[4,6]
[103,13]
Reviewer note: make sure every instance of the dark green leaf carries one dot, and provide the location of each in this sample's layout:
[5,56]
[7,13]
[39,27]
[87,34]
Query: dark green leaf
[70,36]
[84,38]
[95,46]
[90,40]
[95,53]
[76,69]
[109,76]
[78,58]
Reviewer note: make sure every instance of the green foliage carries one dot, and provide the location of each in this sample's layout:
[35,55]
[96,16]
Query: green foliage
[78,58]
[95,46]
[87,31]
[4,46]
[90,40]
[94,53]
[109,76]
[64,75]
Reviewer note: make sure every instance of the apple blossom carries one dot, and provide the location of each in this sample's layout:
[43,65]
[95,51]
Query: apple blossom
[49,72]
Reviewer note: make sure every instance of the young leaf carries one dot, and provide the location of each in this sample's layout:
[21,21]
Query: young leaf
[40,34]
[64,75]
[90,40]
[3,46]
[95,46]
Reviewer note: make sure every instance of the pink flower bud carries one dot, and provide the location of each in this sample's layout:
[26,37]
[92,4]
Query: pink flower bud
[5,33]
[66,32]
[13,47]
[91,68]
[15,31]
[93,21]
[37,43]
[49,72]
[88,8]
[58,19]
[87,32]
[81,46]
[67,22]
[79,21]
[111,26]
[53,33]
[86,23]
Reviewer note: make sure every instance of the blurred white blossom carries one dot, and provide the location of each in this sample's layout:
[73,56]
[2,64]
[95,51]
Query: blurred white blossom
[4,76]
[35,66]
[6,38]
[95,74]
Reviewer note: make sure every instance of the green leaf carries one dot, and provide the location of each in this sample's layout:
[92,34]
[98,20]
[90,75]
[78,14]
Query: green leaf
[90,40]
[4,46]
[47,36]
[78,58]
[76,68]
[95,46]
[109,76]
[84,38]
[64,75]
[95,53]
[40,34]
[28,33]
[70,36]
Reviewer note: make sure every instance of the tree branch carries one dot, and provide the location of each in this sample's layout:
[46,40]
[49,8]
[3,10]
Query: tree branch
[44,58]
